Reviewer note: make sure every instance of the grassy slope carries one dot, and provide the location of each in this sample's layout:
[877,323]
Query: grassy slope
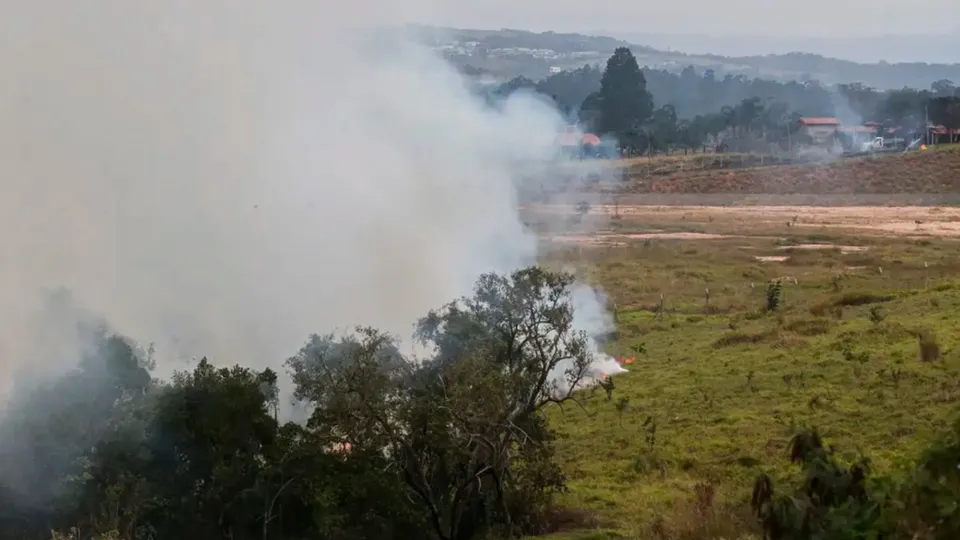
[932,171]
[719,425]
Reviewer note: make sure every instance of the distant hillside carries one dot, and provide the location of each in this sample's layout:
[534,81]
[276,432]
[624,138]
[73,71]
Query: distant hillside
[930,48]
[830,70]
[504,54]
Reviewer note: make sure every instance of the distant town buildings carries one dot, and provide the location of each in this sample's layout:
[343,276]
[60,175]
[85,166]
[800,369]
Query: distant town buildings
[823,131]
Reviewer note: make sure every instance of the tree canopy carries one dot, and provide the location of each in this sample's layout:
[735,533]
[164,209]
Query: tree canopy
[622,103]
[451,446]
[707,107]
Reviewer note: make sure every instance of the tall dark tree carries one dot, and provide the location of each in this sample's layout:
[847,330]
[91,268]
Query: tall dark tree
[623,100]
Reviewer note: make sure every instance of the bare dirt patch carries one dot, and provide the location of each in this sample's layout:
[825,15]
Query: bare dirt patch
[843,249]
[938,221]
[675,236]
[618,239]
[588,241]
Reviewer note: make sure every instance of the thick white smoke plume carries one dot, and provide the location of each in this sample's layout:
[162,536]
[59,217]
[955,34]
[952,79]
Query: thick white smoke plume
[224,178]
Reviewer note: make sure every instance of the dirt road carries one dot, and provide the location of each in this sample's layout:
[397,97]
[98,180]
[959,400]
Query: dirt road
[882,220]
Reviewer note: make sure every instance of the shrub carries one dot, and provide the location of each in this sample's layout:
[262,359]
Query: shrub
[928,499]
[832,501]
[774,295]
[861,299]
[827,308]
[701,516]
[732,339]
[890,332]
[877,315]
[929,347]
[809,327]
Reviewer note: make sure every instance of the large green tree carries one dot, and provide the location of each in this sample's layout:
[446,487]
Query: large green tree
[623,103]
[464,428]
[448,447]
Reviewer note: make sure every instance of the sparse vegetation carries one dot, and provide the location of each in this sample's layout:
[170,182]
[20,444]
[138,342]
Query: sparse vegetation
[933,171]
[877,315]
[869,366]
[696,441]
[929,347]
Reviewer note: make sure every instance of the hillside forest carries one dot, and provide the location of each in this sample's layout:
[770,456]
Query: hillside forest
[658,110]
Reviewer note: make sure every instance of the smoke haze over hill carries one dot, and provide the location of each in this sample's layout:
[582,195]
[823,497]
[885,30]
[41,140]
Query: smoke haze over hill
[223,178]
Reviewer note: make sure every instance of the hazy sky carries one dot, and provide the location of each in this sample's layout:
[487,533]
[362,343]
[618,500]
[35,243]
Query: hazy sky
[828,18]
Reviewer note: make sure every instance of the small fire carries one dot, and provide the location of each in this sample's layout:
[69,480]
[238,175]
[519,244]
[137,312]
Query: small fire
[341,448]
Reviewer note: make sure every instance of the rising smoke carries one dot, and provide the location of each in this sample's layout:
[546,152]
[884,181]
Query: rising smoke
[224,178]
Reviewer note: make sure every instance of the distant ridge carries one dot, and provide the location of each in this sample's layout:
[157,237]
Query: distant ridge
[932,49]
[507,53]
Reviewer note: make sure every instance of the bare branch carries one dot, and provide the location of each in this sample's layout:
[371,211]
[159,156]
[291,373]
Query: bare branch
[561,401]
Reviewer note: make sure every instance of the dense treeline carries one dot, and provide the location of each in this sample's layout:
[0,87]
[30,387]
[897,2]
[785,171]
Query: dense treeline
[449,447]
[455,446]
[690,109]
[692,93]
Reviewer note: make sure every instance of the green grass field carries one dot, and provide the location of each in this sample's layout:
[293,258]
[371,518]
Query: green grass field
[727,383]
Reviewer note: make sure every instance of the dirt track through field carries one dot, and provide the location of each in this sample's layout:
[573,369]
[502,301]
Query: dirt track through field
[883,220]
[906,220]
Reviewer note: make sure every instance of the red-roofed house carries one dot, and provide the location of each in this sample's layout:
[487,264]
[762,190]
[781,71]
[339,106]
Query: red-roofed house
[858,129]
[819,121]
[859,134]
[570,136]
[821,129]
[943,135]
[575,143]
[591,140]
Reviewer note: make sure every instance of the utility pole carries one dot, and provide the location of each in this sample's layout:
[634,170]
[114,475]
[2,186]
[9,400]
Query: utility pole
[789,140]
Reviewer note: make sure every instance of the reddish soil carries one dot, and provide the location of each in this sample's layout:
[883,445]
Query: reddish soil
[932,171]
